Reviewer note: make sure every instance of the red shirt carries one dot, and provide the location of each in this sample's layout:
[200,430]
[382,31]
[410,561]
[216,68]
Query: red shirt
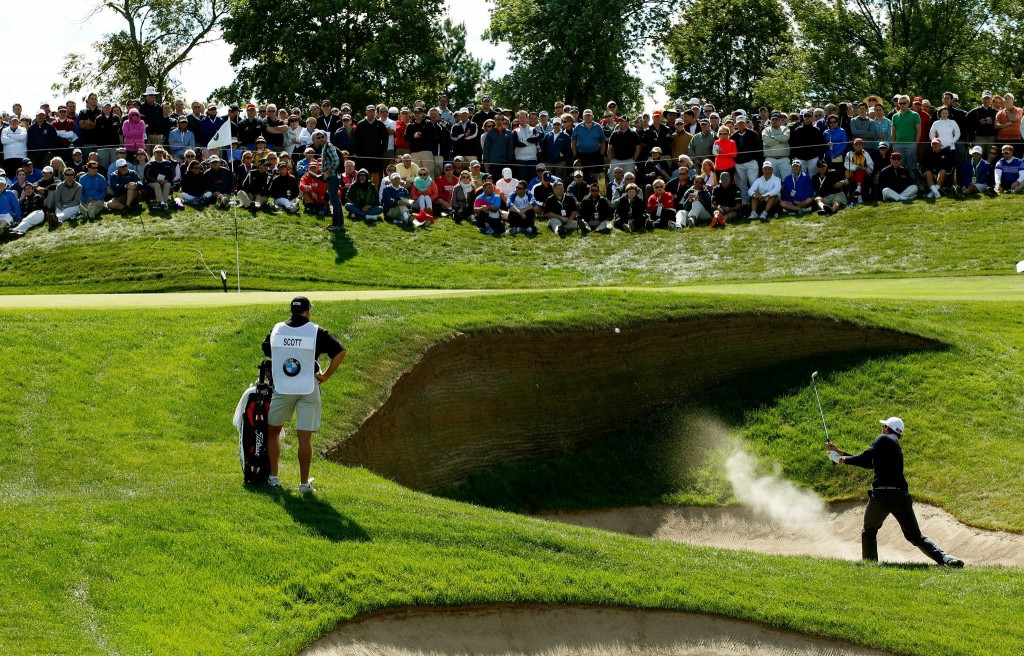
[446,187]
[665,198]
[400,140]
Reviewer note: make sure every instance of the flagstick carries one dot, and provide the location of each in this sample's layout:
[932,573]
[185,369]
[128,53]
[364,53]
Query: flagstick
[234,206]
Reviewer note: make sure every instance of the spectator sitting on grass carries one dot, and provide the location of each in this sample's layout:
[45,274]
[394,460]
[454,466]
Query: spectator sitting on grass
[193,185]
[463,196]
[313,187]
[1009,172]
[125,188]
[423,191]
[975,173]
[32,211]
[396,202]
[255,187]
[158,175]
[218,182]
[487,208]
[726,200]
[695,205]
[94,190]
[938,167]
[631,210]
[560,210]
[895,180]
[765,193]
[67,197]
[595,211]
[521,212]
[797,191]
[284,188]
[445,189]
[10,208]
[362,198]
[659,207]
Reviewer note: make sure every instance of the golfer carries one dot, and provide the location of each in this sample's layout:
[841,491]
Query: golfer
[293,347]
[890,494]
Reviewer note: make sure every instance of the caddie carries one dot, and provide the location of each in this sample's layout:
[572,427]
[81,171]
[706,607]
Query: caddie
[293,347]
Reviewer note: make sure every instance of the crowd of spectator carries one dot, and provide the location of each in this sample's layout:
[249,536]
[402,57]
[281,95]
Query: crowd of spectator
[498,169]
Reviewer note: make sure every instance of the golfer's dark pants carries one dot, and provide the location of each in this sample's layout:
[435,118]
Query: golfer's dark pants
[900,505]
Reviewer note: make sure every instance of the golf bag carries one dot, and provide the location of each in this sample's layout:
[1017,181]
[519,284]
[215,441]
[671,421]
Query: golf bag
[251,421]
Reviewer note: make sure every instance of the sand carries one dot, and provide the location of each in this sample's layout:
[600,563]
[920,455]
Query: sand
[837,535]
[564,631]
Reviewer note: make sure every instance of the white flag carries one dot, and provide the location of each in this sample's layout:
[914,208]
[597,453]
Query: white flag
[223,137]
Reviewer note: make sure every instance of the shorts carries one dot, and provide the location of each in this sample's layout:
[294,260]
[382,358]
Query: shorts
[306,407]
[835,198]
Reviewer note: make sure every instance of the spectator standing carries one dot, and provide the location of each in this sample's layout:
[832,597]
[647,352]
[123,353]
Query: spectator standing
[724,151]
[806,142]
[498,147]
[981,121]
[15,142]
[907,132]
[775,140]
[371,138]
[588,145]
[181,139]
[1008,123]
[749,155]
[624,148]
[42,140]
[528,140]
[465,136]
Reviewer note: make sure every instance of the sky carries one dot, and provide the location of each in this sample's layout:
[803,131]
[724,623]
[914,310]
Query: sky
[68,31]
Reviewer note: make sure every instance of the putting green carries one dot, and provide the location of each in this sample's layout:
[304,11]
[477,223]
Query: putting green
[966,288]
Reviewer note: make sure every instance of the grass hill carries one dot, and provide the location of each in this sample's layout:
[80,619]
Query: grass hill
[127,529]
[166,251]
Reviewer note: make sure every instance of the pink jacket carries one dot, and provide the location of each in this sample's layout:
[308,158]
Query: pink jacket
[134,132]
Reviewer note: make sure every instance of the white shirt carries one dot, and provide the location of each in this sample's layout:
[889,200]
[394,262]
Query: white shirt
[770,187]
[946,131]
[391,125]
[506,187]
[15,144]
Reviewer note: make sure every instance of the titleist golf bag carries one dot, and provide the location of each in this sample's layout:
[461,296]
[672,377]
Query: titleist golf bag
[251,422]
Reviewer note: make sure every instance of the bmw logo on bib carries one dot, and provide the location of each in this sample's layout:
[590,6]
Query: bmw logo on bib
[291,367]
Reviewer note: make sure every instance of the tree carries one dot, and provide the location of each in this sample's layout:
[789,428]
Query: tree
[919,47]
[581,53]
[359,51]
[158,37]
[711,59]
[466,74]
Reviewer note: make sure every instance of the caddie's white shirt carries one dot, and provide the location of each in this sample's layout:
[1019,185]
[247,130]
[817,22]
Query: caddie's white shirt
[770,187]
[293,356]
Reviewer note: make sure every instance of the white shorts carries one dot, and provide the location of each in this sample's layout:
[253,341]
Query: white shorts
[306,407]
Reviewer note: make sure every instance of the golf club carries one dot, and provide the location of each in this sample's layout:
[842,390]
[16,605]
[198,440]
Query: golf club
[814,384]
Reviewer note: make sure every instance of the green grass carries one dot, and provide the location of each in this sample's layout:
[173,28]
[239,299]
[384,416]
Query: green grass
[126,529]
[165,252]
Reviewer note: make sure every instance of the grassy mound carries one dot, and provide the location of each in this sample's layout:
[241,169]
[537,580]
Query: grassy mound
[127,529]
[167,251]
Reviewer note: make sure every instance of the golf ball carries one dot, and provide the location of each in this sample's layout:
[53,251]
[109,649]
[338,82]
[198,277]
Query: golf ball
[617,331]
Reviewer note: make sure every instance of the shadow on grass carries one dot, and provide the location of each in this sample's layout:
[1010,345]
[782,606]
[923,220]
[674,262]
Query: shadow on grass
[314,513]
[666,456]
[344,247]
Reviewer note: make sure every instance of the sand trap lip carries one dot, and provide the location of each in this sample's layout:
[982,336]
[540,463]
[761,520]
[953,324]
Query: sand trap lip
[565,631]
[838,536]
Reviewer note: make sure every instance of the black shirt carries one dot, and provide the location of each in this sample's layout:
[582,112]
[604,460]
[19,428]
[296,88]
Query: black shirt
[624,143]
[325,341]
[249,129]
[885,456]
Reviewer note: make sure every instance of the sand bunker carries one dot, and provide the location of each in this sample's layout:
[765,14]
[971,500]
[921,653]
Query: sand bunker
[565,631]
[837,535]
[476,400]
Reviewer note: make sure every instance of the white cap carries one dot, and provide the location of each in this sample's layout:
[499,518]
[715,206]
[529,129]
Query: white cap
[977,150]
[47,169]
[121,162]
[150,91]
[3,180]
[693,101]
[396,176]
[506,173]
[767,165]
[895,424]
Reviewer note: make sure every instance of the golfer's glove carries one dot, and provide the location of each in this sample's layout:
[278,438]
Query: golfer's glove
[834,456]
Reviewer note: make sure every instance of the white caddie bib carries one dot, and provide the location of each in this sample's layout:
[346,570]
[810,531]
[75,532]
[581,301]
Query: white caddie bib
[293,354]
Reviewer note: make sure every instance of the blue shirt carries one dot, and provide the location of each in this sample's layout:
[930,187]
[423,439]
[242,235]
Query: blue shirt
[94,187]
[797,190]
[1007,172]
[588,140]
[9,205]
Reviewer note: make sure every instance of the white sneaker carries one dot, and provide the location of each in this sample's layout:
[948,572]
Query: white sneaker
[273,481]
[764,215]
[690,223]
[307,488]
[753,215]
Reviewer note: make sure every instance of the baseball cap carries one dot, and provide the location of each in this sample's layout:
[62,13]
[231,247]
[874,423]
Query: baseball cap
[232,107]
[624,118]
[395,176]
[725,177]
[693,101]
[680,121]
[543,112]
[858,140]
[300,304]
[556,121]
[883,144]
[776,115]
[182,119]
[251,106]
[3,181]
[506,173]
[895,155]
[895,424]
[588,112]
[212,160]
[656,149]
[767,165]
[541,166]
[986,94]
[49,169]
[917,99]
[805,112]
[474,163]
[977,150]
